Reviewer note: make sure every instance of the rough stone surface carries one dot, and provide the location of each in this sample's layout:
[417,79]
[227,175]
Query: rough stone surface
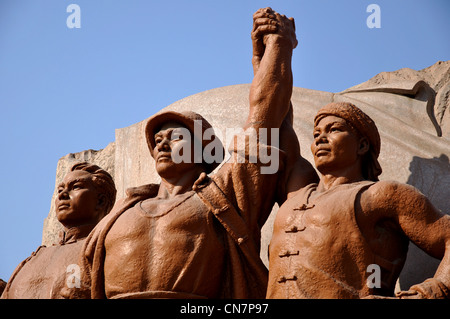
[409,107]
[436,76]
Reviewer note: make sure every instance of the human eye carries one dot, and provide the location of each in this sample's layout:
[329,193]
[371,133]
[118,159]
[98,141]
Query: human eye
[78,185]
[176,136]
[336,128]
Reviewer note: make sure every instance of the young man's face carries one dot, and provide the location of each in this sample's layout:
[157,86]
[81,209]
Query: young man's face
[336,145]
[77,202]
[174,150]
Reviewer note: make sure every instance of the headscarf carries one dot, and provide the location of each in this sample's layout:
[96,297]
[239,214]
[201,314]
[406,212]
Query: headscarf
[361,122]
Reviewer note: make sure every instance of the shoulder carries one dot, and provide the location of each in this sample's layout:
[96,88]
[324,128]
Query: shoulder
[98,234]
[384,190]
[391,197]
[141,192]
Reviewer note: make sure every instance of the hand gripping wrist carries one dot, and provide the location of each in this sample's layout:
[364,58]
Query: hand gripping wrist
[432,289]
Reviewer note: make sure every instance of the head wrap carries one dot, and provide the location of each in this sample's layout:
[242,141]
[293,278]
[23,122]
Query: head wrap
[362,123]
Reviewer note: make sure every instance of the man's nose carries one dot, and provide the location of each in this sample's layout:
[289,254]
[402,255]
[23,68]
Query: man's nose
[163,145]
[64,194]
[321,138]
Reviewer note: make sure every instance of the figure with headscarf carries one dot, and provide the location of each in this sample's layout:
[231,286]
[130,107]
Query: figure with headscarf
[348,235]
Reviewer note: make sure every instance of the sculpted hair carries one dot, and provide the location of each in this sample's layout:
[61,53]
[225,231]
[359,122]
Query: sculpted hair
[102,180]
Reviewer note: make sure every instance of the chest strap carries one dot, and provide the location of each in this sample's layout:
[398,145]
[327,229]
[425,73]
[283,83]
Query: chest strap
[213,197]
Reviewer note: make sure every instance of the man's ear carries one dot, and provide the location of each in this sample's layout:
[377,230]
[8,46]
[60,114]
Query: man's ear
[101,202]
[364,146]
[101,206]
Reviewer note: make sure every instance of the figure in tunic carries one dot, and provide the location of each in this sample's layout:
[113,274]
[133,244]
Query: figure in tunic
[194,235]
[86,194]
[348,235]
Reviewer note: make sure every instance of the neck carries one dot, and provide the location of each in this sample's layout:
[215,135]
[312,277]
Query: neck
[344,176]
[71,234]
[177,185]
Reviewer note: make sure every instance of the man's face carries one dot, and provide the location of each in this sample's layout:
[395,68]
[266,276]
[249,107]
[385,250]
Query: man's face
[77,201]
[336,145]
[174,150]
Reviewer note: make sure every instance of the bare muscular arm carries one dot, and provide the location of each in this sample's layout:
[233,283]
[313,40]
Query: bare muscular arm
[273,39]
[271,88]
[422,223]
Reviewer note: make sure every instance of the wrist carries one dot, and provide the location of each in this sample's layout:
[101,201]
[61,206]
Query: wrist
[279,40]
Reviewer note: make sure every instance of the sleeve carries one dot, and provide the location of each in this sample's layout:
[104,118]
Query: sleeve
[250,174]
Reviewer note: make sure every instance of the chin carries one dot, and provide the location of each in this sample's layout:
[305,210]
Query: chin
[320,163]
[67,218]
[323,167]
[164,169]
[62,217]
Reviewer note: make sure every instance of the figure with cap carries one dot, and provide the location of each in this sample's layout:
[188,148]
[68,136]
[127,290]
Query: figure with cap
[197,233]
[85,195]
[348,235]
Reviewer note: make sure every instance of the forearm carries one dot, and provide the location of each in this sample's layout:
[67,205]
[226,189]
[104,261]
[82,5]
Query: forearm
[429,230]
[271,89]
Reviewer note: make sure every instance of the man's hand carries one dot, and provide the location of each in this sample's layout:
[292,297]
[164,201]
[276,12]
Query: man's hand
[268,23]
[263,23]
[429,289]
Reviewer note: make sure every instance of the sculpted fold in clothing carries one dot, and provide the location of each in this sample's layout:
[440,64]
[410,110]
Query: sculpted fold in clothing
[44,274]
[180,249]
[328,236]
[85,196]
[322,247]
[193,235]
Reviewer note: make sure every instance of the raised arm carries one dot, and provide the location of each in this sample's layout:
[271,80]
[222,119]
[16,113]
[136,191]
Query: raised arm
[274,40]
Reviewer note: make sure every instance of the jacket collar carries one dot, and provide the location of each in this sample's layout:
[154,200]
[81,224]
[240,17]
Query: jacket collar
[74,234]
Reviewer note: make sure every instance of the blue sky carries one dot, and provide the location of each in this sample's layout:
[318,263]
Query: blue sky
[66,90]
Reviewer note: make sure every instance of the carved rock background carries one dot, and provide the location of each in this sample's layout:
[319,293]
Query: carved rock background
[410,108]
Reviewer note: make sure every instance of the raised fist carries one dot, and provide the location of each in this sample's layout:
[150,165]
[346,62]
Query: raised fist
[268,23]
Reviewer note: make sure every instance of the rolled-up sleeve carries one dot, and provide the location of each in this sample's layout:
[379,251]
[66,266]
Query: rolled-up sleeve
[250,176]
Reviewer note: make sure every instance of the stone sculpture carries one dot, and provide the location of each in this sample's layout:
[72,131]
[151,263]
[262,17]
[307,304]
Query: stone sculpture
[411,111]
[329,238]
[85,196]
[2,286]
[195,236]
